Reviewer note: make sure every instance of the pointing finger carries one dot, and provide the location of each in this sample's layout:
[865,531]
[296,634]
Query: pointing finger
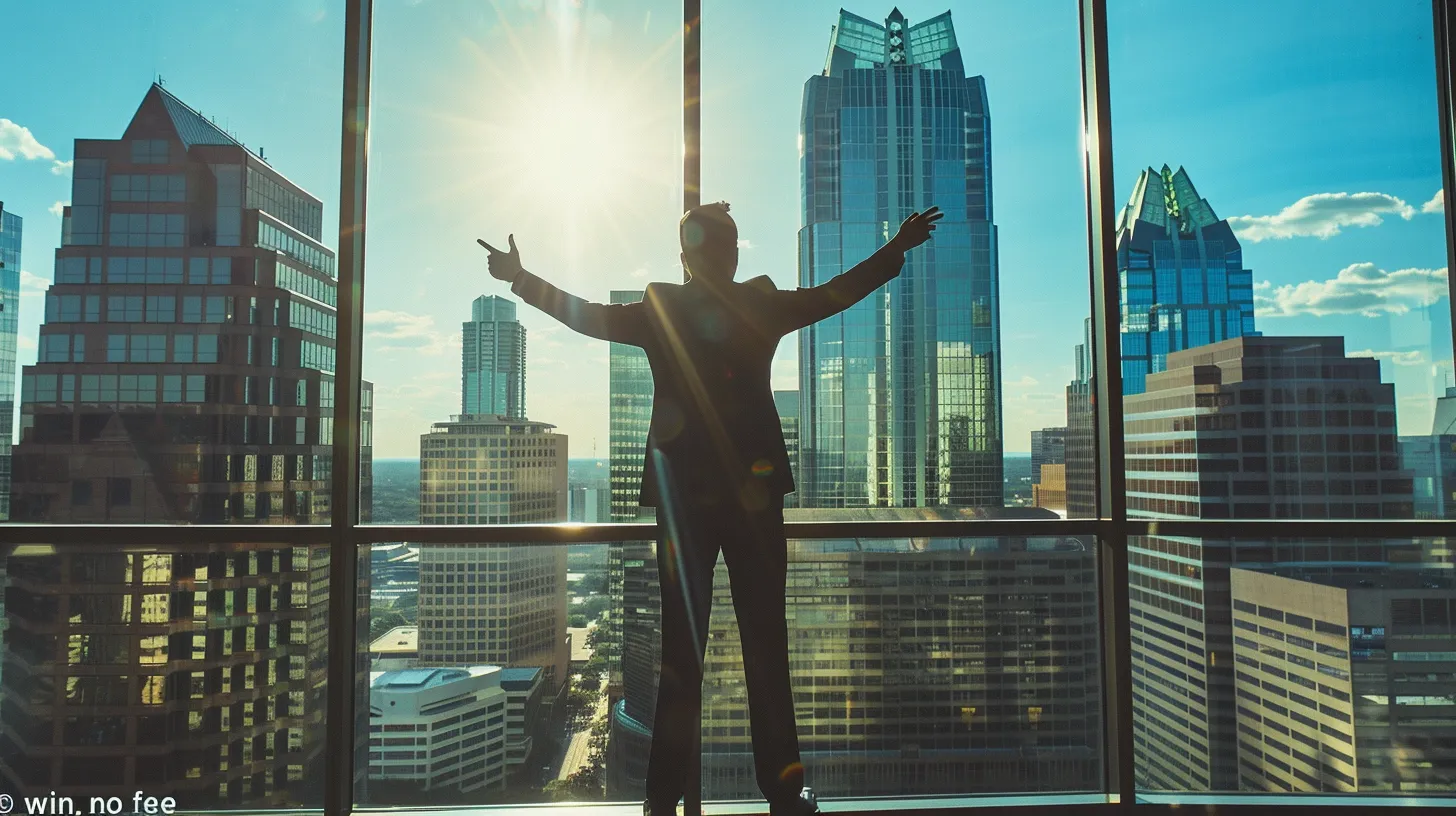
[488,247]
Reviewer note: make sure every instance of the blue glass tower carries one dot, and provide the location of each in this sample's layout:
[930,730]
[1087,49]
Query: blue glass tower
[900,395]
[1182,275]
[10,232]
[493,360]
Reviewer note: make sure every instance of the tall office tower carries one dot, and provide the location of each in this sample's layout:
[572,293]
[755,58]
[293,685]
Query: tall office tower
[1048,447]
[787,403]
[901,393]
[184,374]
[11,231]
[1051,493]
[1183,278]
[1249,428]
[978,680]
[1344,682]
[1431,459]
[493,360]
[1081,442]
[504,606]
[635,634]
[590,505]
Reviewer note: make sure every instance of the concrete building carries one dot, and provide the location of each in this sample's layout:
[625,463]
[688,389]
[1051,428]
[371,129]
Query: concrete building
[1249,428]
[436,730]
[1050,492]
[1048,447]
[395,650]
[1345,684]
[478,604]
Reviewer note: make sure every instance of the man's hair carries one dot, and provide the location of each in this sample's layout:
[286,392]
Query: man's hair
[708,234]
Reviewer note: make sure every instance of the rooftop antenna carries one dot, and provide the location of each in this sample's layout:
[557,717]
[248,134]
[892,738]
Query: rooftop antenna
[161,83]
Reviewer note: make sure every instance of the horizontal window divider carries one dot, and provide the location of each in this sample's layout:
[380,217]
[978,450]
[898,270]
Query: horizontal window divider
[571,533]
[170,535]
[1274,528]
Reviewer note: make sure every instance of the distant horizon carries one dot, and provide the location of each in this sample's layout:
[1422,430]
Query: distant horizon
[1022,454]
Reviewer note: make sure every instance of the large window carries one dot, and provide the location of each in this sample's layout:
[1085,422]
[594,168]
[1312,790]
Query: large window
[1133,486]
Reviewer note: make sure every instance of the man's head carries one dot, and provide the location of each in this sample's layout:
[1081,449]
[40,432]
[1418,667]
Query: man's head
[709,242]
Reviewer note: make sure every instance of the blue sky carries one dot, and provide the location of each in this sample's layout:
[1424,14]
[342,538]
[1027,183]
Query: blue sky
[559,121]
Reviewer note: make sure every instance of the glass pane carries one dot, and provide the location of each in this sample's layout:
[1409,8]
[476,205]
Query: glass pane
[193,675]
[144,392]
[1286,353]
[919,667]
[947,385]
[579,157]
[1300,665]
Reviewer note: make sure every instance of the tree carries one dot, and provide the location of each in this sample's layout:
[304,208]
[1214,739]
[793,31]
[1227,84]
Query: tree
[383,622]
[576,621]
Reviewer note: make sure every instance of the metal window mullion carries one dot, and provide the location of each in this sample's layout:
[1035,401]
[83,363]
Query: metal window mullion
[1112,601]
[1441,17]
[345,672]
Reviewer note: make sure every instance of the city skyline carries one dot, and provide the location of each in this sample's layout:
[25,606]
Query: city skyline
[1340,194]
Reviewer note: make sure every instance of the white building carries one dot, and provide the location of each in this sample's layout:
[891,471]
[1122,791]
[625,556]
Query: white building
[437,730]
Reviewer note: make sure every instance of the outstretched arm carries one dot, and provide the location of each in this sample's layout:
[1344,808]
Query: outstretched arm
[803,307]
[619,323]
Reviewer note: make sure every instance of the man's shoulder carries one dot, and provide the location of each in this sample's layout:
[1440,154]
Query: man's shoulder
[762,283]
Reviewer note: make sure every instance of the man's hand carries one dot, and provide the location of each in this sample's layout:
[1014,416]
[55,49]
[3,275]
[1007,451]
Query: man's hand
[504,266]
[917,229]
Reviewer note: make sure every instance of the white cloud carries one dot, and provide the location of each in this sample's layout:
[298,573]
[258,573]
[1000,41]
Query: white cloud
[403,331]
[1321,215]
[32,284]
[57,209]
[1401,358]
[744,243]
[16,140]
[639,273]
[1026,381]
[62,168]
[1437,204]
[1361,288]
[25,342]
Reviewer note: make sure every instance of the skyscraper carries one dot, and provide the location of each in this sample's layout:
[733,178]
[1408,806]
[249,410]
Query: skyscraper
[1182,271]
[1431,459]
[901,393]
[1080,450]
[184,374]
[1251,428]
[11,233]
[787,403]
[634,636]
[1048,447]
[503,606]
[982,678]
[493,360]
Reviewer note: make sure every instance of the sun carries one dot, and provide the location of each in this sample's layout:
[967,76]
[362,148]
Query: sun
[576,147]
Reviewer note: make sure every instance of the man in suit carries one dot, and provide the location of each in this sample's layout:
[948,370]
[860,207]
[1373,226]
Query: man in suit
[717,470]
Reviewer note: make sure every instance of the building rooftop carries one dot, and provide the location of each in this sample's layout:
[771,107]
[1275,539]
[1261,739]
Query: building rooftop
[400,640]
[520,678]
[580,652]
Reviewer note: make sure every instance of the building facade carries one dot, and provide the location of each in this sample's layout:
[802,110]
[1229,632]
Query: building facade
[493,359]
[1431,460]
[12,231]
[436,732]
[1048,447]
[921,667]
[787,403]
[900,393]
[1249,428]
[184,374]
[1344,683]
[478,604]
[1080,450]
[1182,275]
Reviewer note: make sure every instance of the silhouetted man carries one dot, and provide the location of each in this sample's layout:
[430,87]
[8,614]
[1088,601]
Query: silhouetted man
[717,470]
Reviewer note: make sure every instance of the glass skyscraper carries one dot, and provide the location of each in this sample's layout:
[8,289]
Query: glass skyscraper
[493,360]
[11,230]
[900,394]
[1182,275]
[184,374]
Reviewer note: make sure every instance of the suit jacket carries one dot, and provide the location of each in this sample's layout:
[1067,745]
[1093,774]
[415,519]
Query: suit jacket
[715,431]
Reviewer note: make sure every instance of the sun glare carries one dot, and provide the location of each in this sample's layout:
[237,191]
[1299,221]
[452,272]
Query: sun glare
[575,149]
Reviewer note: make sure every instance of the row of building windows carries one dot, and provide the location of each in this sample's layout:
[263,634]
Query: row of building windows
[152,187]
[146,229]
